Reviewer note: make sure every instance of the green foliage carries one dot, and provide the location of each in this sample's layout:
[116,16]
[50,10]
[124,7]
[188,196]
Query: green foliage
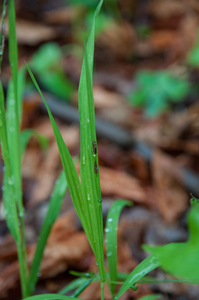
[156,90]
[181,259]
[47,63]
[111,239]
[193,56]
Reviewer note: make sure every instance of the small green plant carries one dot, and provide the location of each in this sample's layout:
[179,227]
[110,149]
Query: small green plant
[157,90]
[47,65]
[177,259]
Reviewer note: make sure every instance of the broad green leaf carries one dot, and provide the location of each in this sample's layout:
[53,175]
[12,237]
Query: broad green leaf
[51,216]
[151,297]
[111,238]
[48,66]
[89,168]
[146,266]
[50,297]
[69,168]
[181,259]
[76,283]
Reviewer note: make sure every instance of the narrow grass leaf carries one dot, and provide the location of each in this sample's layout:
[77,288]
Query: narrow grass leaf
[8,191]
[13,141]
[146,266]
[51,216]
[13,51]
[69,168]
[21,81]
[73,285]
[80,289]
[111,238]
[151,297]
[50,297]
[89,168]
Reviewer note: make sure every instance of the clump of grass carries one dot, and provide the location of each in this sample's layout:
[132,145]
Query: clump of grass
[85,193]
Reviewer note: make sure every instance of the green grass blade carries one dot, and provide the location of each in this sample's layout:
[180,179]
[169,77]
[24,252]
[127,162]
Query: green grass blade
[69,168]
[51,297]
[151,297]
[52,214]
[13,51]
[111,238]
[21,81]
[89,168]
[80,289]
[14,143]
[73,285]
[8,191]
[146,266]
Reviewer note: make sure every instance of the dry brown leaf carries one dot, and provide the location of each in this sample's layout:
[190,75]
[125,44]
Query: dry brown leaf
[121,184]
[167,8]
[63,15]
[118,39]
[106,99]
[32,33]
[171,198]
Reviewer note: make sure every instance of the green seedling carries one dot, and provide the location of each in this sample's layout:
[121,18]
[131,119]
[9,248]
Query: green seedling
[47,64]
[157,90]
[85,193]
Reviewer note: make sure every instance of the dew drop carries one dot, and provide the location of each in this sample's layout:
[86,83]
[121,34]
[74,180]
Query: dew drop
[109,253]
[110,220]
[83,160]
[106,230]
[12,129]
[88,197]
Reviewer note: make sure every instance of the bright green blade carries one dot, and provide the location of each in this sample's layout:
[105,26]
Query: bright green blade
[51,216]
[21,82]
[69,168]
[146,266]
[13,51]
[80,289]
[73,285]
[181,259]
[50,297]
[151,297]
[8,191]
[13,141]
[111,238]
[89,169]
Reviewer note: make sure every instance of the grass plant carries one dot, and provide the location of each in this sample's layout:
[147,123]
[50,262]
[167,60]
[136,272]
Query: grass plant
[85,193]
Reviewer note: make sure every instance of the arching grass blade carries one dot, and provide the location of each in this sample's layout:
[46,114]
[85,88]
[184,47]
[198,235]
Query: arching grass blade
[50,297]
[111,238]
[51,216]
[146,266]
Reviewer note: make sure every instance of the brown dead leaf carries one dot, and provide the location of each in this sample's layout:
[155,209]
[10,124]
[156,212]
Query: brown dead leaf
[121,184]
[64,15]
[106,99]
[32,33]
[118,39]
[166,8]
[171,198]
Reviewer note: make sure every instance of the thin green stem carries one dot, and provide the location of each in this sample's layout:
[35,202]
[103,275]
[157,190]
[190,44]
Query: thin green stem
[102,290]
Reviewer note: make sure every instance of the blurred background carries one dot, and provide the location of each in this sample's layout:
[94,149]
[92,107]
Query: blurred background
[146,94]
